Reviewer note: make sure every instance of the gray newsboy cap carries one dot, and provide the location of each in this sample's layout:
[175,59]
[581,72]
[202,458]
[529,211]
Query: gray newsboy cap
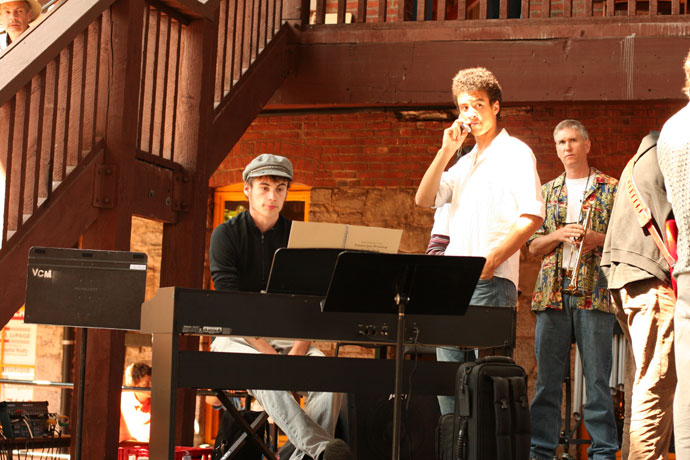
[267,164]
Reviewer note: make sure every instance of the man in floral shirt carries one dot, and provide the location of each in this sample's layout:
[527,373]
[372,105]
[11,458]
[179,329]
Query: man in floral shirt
[562,317]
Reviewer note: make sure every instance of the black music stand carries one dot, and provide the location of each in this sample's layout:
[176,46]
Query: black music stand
[302,271]
[402,283]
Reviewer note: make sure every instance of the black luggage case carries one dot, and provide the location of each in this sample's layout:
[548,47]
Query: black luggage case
[491,411]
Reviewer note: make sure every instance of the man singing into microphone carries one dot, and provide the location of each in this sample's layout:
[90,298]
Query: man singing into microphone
[493,191]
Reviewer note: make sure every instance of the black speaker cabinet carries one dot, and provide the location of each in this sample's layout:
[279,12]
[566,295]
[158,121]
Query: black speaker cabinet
[85,287]
[371,426]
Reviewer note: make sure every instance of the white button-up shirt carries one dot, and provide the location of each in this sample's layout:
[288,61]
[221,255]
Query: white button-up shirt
[487,196]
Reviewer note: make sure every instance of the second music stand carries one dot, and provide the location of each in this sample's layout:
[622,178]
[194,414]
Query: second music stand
[400,284]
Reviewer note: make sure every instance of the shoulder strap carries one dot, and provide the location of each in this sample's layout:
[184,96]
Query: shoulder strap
[521,420]
[644,214]
[503,418]
[462,411]
[444,437]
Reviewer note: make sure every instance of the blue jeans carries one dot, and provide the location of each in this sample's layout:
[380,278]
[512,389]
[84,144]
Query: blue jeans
[309,429]
[593,331]
[494,292]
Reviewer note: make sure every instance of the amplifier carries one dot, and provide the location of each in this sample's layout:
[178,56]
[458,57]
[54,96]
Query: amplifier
[27,419]
[85,287]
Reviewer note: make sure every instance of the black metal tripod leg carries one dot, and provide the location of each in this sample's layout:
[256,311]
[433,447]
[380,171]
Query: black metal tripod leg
[249,430]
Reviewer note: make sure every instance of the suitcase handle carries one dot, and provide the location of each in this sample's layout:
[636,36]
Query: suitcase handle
[495,359]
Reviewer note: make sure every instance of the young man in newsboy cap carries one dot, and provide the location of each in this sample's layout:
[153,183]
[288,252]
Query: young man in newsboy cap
[240,255]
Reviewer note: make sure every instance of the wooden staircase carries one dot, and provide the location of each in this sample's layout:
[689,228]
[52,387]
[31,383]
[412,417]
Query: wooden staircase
[105,110]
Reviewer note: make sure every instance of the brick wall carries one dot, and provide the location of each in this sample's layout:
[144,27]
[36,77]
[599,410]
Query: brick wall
[379,149]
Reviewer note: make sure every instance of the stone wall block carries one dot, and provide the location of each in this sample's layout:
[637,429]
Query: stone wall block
[350,198]
[320,195]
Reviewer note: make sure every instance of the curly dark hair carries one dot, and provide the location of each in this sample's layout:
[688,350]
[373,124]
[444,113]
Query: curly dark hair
[477,79]
[138,371]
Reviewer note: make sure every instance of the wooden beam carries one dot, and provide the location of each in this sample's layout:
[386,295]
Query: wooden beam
[105,355]
[393,74]
[152,196]
[496,29]
[42,43]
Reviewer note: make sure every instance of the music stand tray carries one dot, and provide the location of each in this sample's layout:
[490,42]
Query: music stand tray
[402,283]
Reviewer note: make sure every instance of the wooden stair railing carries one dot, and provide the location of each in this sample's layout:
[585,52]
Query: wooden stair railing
[54,114]
[391,11]
[246,30]
[52,118]
[51,112]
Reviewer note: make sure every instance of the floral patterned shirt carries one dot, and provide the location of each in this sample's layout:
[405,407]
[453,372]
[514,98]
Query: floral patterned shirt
[599,196]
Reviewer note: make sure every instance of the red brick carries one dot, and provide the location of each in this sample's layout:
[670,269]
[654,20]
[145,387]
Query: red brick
[317,141]
[344,174]
[370,145]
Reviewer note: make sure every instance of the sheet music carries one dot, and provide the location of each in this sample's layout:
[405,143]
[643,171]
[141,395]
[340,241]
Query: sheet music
[344,236]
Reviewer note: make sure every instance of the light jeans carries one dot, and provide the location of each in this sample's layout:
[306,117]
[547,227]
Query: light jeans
[309,430]
[494,292]
[645,311]
[593,331]
[681,402]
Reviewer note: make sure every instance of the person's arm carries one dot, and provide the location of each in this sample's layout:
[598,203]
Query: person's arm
[261,345]
[523,228]
[545,244]
[223,261]
[439,232]
[437,245]
[300,348]
[569,234]
[125,435]
[453,137]
[225,273]
[594,239]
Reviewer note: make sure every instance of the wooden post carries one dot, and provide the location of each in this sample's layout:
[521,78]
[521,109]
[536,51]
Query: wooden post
[296,11]
[104,359]
[184,243]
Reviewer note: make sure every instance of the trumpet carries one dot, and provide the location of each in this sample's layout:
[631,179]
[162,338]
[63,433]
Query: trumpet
[573,288]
